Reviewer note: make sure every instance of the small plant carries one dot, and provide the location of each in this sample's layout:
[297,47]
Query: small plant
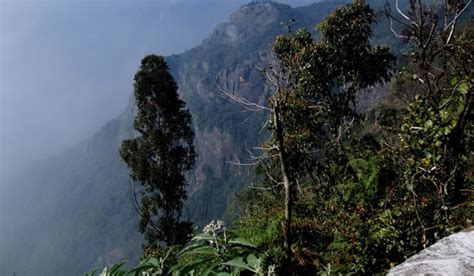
[211,252]
[149,266]
[215,252]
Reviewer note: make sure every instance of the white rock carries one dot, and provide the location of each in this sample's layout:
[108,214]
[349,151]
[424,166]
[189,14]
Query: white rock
[453,255]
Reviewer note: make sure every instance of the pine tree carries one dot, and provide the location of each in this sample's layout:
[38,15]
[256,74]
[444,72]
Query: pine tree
[161,154]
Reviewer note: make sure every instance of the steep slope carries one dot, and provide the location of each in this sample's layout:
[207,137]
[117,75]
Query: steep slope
[73,212]
[231,59]
[70,212]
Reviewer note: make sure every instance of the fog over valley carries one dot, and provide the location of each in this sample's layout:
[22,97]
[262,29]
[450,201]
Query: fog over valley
[236,137]
[67,66]
[66,69]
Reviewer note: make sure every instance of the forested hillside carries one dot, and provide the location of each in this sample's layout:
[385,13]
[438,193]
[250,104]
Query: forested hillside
[231,58]
[74,211]
[71,211]
[81,203]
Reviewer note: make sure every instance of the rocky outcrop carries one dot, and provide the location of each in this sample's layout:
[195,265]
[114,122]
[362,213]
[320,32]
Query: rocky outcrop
[453,255]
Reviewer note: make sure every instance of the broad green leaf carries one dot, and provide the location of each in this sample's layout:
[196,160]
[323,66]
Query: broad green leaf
[192,266]
[204,237]
[146,264]
[151,261]
[91,273]
[205,249]
[117,268]
[253,261]
[183,269]
[239,263]
[242,242]
[169,251]
[190,247]
[210,269]
[463,88]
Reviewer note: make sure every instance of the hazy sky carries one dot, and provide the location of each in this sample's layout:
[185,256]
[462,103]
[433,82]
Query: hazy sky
[66,66]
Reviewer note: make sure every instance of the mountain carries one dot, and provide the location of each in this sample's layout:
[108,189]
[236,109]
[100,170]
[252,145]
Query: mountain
[231,58]
[73,212]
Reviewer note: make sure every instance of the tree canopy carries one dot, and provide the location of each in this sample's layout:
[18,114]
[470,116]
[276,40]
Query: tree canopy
[161,153]
[343,191]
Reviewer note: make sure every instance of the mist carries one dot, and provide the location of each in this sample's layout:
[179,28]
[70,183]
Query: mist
[67,66]
[66,69]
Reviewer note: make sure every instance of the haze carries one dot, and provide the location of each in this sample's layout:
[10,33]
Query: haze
[67,66]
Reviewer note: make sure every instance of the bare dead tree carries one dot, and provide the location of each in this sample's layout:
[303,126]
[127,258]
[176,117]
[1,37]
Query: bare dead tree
[275,81]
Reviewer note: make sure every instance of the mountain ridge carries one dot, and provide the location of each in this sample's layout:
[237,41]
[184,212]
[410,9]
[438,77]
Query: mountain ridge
[81,210]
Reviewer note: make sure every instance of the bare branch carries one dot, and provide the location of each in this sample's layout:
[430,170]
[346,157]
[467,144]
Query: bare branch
[401,13]
[243,164]
[259,188]
[272,80]
[269,175]
[265,124]
[266,148]
[395,32]
[242,101]
[458,14]
[452,94]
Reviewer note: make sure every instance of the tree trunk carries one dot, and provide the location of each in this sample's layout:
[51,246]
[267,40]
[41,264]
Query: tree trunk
[287,182]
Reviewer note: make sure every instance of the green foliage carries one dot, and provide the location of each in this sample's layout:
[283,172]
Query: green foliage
[161,154]
[261,232]
[259,212]
[313,110]
[322,80]
[370,193]
[364,187]
[150,266]
[215,251]
[314,107]
[435,138]
[94,222]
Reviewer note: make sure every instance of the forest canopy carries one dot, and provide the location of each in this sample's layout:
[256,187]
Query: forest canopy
[335,190]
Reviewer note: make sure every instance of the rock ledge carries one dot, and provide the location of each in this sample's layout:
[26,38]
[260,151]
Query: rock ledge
[453,255]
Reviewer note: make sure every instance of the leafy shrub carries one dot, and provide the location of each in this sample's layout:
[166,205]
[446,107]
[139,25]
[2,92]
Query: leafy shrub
[216,252]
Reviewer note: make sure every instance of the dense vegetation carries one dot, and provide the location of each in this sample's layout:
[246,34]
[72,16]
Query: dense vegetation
[74,211]
[76,208]
[337,191]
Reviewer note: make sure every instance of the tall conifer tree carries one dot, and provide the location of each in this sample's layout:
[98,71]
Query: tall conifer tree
[161,154]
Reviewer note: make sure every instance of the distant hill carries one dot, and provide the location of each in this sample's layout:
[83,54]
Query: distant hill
[73,212]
